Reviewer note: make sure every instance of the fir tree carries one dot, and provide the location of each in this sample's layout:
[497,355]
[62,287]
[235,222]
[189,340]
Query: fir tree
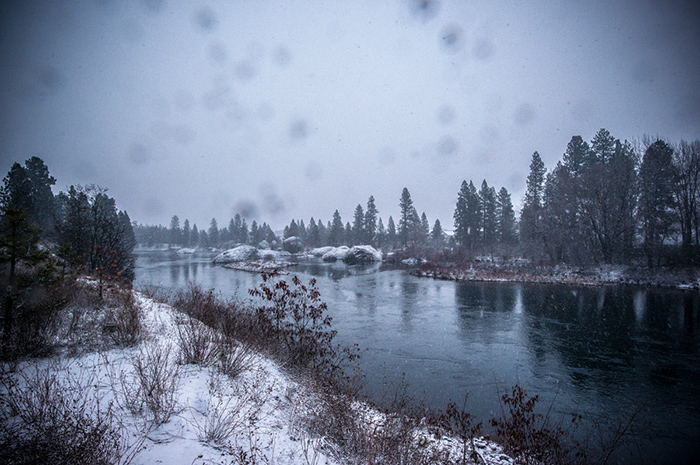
[335,234]
[186,233]
[213,233]
[406,219]
[371,222]
[357,234]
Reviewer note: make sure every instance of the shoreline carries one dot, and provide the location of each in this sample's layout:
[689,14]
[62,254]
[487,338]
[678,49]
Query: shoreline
[681,279]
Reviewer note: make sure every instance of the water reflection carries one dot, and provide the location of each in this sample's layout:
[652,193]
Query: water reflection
[602,352]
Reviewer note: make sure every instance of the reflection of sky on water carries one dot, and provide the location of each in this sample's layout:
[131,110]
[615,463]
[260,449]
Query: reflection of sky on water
[600,352]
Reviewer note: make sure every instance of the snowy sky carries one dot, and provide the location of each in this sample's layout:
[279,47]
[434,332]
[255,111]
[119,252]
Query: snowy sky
[284,109]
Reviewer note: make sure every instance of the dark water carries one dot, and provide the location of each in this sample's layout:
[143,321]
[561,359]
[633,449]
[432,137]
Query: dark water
[605,353]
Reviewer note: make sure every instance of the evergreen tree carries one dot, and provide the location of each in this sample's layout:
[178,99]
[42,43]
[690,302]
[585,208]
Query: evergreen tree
[313,235]
[608,193]
[302,231]
[467,216]
[487,196]
[29,188]
[406,219]
[656,200]
[577,156]
[322,234]
[244,236]
[357,233]
[213,233]
[19,240]
[425,228]
[186,233]
[505,215]
[236,229]
[380,236]
[194,237]
[371,222]
[531,215]
[292,230]
[94,234]
[335,233]
[391,236]
[437,236]
[175,231]
[203,239]
[347,234]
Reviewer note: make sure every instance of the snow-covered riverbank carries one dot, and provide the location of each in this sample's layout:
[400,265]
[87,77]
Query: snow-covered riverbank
[202,415]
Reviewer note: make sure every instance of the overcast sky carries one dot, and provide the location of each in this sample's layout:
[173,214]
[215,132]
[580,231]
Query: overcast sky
[291,109]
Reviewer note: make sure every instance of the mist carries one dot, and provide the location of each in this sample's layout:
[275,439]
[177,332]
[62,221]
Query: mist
[280,111]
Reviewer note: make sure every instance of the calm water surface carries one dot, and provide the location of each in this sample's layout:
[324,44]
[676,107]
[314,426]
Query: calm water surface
[604,353]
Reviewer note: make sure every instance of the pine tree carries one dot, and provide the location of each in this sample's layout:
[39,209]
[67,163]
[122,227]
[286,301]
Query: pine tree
[656,201]
[19,240]
[186,233]
[437,236]
[312,233]
[194,237]
[425,228]
[505,215]
[213,233]
[371,222]
[531,215]
[244,236]
[487,196]
[391,236]
[236,230]
[347,234]
[175,231]
[335,234]
[406,219]
[29,188]
[380,237]
[467,216]
[357,234]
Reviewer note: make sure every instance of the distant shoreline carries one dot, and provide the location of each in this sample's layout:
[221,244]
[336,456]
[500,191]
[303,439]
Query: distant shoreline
[672,278]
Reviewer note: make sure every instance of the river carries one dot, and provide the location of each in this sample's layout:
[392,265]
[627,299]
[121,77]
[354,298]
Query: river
[605,353]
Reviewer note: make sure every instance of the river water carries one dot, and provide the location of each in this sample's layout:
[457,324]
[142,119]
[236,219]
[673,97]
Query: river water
[605,353]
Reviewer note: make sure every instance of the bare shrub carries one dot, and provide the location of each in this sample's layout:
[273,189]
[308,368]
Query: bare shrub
[203,305]
[235,358]
[232,408]
[297,317]
[38,321]
[155,292]
[125,320]
[49,416]
[198,343]
[456,420]
[152,387]
[530,437]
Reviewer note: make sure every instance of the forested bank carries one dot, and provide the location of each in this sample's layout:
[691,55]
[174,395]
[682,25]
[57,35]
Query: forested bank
[606,201]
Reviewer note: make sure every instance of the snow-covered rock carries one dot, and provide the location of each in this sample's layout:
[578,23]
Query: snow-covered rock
[336,253]
[237,254]
[185,251]
[263,245]
[293,244]
[273,254]
[362,254]
[321,251]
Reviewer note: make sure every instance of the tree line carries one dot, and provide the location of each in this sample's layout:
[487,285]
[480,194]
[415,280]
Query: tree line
[609,201]
[80,228]
[605,201]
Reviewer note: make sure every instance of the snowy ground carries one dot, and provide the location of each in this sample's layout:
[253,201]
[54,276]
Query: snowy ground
[205,416]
